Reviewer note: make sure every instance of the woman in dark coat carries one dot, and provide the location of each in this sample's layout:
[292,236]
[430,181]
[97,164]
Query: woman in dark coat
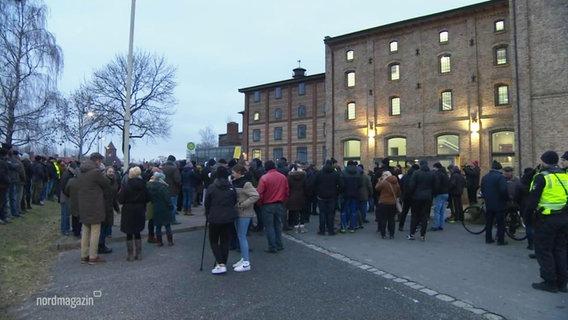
[133,198]
[161,207]
[296,203]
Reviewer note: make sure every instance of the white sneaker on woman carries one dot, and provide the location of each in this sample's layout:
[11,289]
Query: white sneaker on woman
[238,263]
[219,269]
[245,266]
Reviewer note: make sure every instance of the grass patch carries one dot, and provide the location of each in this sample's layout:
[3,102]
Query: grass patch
[25,255]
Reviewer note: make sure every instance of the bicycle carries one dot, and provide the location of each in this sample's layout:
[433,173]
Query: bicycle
[474,222]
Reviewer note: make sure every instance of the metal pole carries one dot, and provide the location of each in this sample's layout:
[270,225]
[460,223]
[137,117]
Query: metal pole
[126,137]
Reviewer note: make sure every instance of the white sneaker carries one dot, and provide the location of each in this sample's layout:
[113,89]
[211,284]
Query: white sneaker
[303,229]
[238,263]
[245,266]
[219,269]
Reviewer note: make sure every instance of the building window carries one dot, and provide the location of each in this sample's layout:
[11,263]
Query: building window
[395,106]
[256,96]
[256,135]
[277,153]
[396,147]
[256,116]
[278,113]
[503,148]
[446,101]
[393,46]
[302,154]
[351,79]
[501,55]
[302,131]
[500,25]
[394,71]
[352,150]
[444,36]
[350,113]
[448,144]
[278,93]
[302,111]
[501,95]
[278,133]
[349,55]
[302,89]
[445,63]
[256,154]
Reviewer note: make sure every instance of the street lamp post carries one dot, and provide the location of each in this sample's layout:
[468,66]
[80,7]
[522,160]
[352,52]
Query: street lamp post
[126,135]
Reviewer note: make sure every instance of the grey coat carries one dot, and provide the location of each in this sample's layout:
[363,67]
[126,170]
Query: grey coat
[92,184]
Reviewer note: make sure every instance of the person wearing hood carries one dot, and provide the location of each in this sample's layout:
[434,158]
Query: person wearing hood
[351,180]
[190,178]
[494,190]
[92,185]
[326,186]
[441,195]
[296,203]
[220,212]
[133,198]
[406,195]
[457,185]
[422,186]
[388,190]
[161,207]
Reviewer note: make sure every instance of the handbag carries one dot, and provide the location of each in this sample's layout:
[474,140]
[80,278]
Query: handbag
[396,199]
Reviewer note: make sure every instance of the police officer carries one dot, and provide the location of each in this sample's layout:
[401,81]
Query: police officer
[547,200]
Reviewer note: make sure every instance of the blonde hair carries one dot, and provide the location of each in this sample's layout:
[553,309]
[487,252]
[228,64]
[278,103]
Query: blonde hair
[134,172]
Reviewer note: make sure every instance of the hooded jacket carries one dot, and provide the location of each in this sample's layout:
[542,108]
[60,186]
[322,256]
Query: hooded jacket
[422,184]
[91,183]
[388,190]
[297,183]
[351,179]
[327,183]
[220,201]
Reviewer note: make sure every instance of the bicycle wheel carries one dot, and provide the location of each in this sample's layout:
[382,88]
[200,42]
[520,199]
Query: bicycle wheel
[474,219]
[515,226]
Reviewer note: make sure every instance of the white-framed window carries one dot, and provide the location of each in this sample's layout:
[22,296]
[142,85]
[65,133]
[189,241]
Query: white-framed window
[394,106]
[349,55]
[446,100]
[351,79]
[396,146]
[502,95]
[501,55]
[350,112]
[444,36]
[448,144]
[393,46]
[394,71]
[302,131]
[499,25]
[445,63]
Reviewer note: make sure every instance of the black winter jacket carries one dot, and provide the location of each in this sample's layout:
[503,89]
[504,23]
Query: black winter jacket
[327,183]
[422,184]
[220,201]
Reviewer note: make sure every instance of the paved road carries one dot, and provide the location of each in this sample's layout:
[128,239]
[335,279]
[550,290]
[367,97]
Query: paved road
[355,276]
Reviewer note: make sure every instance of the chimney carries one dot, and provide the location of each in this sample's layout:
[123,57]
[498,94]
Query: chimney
[299,73]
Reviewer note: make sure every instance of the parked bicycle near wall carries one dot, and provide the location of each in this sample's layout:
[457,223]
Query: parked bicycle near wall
[474,222]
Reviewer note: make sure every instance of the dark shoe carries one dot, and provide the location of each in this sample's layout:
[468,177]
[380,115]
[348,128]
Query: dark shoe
[545,286]
[97,260]
[562,288]
[530,246]
[104,250]
[170,239]
[489,241]
[84,260]
[365,221]
[29,207]
[176,222]
[532,256]
[321,233]
[502,243]
[270,251]
[159,241]
[279,249]
[391,237]
[331,233]
[152,238]
[435,229]
[422,238]
[400,229]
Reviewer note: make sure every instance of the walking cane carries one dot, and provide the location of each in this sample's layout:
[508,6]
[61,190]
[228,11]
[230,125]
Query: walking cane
[203,247]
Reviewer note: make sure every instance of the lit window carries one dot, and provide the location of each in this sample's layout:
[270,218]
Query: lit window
[444,36]
[501,55]
[446,100]
[302,154]
[393,47]
[278,93]
[302,89]
[350,112]
[449,144]
[395,106]
[351,79]
[445,64]
[302,131]
[349,55]
[278,113]
[256,116]
[278,133]
[256,135]
[352,149]
[503,148]
[394,71]
[396,147]
[499,25]
[256,96]
[301,111]
[256,154]
[501,95]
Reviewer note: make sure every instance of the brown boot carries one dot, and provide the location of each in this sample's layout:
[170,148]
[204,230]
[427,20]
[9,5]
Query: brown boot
[138,245]
[129,249]
[188,212]
[170,239]
[159,241]
[151,238]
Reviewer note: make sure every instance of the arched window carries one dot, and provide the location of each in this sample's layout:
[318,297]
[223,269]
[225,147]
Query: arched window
[396,146]
[349,55]
[446,100]
[393,46]
[256,116]
[445,63]
[500,55]
[350,112]
[394,71]
[448,144]
[444,36]
[350,79]
[503,147]
[352,150]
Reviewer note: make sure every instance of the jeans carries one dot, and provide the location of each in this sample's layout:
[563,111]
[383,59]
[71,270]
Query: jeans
[65,225]
[349,213]
[326,215]
[440,210]
[13,196]
[47,189]
[159,229]
[174,200]
[187,193]
[272,219]
[102,235]
[241,225]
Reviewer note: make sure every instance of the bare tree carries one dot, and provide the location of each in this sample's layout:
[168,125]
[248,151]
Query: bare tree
[152,98]
[80,125]
[208,138]
[30,61]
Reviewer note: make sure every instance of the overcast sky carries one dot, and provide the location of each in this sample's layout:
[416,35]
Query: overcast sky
[217,47]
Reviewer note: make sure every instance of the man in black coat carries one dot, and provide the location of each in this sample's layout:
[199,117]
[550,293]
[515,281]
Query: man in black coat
[472,175]
[494,190]
[326,186]
[422,186]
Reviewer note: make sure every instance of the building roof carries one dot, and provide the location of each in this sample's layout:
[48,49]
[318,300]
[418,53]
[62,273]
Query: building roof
[283,82]
[467,10]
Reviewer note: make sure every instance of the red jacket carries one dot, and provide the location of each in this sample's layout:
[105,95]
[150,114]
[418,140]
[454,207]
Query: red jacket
[272,187]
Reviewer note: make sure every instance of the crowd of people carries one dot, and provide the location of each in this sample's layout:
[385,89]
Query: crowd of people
[241,196]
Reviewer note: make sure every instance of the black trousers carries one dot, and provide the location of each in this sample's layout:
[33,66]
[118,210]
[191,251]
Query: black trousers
[472,194]
[551,232]
[420,214]
[219,235]
[405,208]
[386,214]
[490,217]
[457,207]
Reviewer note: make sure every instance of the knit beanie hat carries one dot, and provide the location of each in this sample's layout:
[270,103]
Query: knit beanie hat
[496,165]
[549,157]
